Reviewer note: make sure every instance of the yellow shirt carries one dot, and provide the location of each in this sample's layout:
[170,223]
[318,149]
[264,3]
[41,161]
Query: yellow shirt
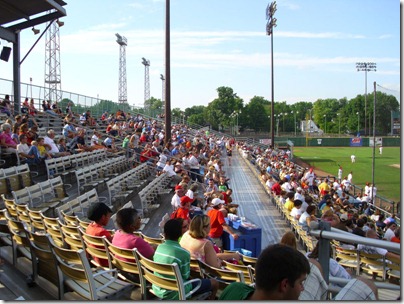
[324,186]
[42,150]
[289,205]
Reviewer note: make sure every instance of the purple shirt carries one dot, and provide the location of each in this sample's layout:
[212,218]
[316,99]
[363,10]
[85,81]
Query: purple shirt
[130,241]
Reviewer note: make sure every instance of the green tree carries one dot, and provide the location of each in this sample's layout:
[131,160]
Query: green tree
[218,112]
[176,114]
[256,114]
[384,105]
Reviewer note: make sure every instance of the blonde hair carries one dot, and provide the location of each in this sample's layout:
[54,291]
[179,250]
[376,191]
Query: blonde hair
[197,226]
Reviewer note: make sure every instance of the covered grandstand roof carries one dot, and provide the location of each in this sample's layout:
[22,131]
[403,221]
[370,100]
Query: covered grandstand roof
[18,15]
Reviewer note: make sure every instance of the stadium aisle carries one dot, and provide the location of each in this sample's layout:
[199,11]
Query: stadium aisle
[254,202]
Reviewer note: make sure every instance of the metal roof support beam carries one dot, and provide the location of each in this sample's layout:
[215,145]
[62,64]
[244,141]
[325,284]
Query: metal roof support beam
[36,21]
[57,7]
[6,34]
[16,73]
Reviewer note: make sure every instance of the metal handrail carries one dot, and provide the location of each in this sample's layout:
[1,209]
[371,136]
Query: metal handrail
[353,239]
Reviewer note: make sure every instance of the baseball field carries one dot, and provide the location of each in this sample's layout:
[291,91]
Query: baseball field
[387,165]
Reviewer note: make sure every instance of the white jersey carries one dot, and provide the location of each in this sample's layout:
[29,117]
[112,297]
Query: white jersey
[309,177]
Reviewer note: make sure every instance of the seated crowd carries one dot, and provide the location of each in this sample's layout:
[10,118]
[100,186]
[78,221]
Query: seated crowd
[202,200]
[310,198]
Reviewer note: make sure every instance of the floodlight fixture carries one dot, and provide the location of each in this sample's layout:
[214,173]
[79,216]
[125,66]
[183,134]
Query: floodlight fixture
[60,23]
[121,40]
[36,31]
[145,62]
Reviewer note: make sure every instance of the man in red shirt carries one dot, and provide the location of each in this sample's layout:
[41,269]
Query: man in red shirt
[183,210]
[218,224]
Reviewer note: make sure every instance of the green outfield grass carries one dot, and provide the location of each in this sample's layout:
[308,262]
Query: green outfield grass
[387,170]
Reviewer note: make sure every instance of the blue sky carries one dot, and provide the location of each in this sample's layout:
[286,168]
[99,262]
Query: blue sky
[224,43]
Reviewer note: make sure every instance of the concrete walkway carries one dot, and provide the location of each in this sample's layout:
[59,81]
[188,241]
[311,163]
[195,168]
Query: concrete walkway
[255,204]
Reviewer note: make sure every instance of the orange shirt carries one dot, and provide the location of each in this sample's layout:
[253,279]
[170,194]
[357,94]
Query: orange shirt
[216,223]
[188,145]
[182,213]
[95,229]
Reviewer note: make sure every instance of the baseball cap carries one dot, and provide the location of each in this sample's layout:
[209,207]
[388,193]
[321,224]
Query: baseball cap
[217,201]
[186,199]
[178,187]
[299,189]
[343,217]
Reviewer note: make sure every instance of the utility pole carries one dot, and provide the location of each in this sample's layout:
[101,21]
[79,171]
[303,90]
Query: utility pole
[122,84]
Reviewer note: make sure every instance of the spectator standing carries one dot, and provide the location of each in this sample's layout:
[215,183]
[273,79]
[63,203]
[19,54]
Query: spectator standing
[218,223]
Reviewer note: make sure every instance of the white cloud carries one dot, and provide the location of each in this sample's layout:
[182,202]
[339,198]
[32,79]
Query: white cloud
[288,4]
[136,5]
[386,36]
[325,35]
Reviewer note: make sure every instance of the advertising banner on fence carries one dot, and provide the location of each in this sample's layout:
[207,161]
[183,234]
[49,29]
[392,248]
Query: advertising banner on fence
[356,142]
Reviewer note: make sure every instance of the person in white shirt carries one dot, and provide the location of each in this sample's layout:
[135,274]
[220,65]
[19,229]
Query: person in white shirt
[372,192]
[51,146]
[169,169]
[309,178]
[296,210]
[299,194]
[30,154]
[352,158]
[350,177]
[176,199]
[162,161]
[339,174]
[194,166]
[389,231]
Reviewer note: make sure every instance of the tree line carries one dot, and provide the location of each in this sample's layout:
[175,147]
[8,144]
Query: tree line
[224,112]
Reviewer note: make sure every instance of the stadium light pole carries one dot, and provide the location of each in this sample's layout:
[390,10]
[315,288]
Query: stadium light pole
[295,112]
[283,121]
[367,67]
[358,120]
[163,91]
[278,117]
[325,124]
[374,143]
[271,23]
[339,124]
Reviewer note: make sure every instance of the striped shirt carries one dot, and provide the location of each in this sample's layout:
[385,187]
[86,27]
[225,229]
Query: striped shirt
[171,252]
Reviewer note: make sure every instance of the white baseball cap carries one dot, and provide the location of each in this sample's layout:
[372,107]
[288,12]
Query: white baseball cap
[217,201]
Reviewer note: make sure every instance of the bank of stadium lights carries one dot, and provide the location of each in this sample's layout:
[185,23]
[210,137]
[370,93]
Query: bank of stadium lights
[271,23]
[366,67]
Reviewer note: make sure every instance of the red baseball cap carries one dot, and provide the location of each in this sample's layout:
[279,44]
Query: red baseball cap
[186,199]
[178,187]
